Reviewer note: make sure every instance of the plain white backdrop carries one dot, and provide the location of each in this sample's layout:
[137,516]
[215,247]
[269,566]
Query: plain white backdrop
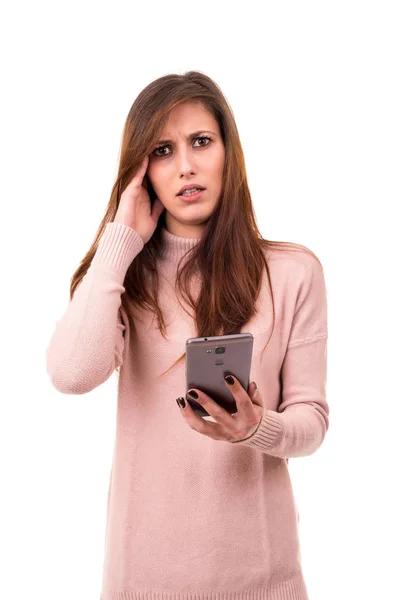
[314,87]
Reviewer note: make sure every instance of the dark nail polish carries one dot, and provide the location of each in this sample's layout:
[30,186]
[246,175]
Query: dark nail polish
[193,394]
[229,379]
[181,402]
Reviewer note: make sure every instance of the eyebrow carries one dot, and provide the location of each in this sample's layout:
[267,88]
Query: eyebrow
[190,136]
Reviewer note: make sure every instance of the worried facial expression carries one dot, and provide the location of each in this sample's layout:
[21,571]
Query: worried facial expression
[189,152]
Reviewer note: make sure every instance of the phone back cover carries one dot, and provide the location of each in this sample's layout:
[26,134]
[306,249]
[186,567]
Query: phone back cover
[205,370]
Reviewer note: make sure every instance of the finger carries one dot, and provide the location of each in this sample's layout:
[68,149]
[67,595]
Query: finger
[140,173]
[196,422]
[157,209]
[254,394]
[222,416]
[144,163]
[244,401]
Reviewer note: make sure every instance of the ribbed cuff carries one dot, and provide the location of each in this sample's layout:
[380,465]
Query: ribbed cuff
[268,433]
[290,589]
[117,247]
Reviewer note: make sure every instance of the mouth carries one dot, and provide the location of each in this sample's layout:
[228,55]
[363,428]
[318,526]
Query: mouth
[191,196]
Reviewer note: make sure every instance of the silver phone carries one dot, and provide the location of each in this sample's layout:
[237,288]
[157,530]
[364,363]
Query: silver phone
[209,359]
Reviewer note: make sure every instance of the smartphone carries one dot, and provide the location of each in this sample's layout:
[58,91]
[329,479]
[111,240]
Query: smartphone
[209,359]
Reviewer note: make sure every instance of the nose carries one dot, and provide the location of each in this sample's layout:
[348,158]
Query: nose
[186,161]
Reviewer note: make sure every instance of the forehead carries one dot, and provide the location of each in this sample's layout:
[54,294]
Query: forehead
[187,118]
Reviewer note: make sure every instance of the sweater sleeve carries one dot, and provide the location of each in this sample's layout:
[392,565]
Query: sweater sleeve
[299,425]
[88,341]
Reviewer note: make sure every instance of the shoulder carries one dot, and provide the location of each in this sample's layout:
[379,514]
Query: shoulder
[292,258]
[297,277]
[296,273]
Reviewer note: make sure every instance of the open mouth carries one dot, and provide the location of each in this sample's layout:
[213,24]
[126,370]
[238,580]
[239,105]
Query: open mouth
[192,195]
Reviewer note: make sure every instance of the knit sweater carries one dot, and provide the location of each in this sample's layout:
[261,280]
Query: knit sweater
[190,517]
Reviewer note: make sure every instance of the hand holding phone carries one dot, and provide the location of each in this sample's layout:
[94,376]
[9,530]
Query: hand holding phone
[209,359]
[232,428]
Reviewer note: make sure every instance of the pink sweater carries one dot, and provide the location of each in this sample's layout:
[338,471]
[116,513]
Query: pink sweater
[189,517]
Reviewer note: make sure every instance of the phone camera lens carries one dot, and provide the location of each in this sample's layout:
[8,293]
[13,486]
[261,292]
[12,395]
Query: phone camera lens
[220,350]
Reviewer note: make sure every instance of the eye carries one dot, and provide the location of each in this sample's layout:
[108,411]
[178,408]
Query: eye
[203,137]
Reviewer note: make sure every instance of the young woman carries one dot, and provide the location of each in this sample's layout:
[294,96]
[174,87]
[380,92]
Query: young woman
[197,508]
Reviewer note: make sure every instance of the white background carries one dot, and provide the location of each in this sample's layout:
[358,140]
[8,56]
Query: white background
[314,87]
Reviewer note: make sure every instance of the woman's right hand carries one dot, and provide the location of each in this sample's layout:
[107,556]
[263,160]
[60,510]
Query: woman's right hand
[134,208]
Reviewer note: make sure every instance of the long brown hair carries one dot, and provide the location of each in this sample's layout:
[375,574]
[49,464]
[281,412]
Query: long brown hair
[231,247]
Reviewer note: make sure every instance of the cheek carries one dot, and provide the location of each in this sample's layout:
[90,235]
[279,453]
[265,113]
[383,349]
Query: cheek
[220,161]
[216,164]
[220,169]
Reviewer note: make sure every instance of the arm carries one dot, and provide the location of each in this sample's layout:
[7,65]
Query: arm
[299,425]
[87,343]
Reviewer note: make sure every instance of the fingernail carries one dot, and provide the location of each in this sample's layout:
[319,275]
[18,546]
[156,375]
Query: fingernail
[256,386]
[193,394]
[181,402]
[229,379]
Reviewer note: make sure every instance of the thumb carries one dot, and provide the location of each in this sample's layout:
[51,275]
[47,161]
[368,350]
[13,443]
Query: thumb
[255,394]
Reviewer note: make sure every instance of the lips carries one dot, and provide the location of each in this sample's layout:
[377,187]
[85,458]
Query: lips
[191,197]
[189,187]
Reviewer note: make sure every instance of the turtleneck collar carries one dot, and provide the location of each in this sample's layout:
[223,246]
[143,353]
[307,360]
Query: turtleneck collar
[174,246]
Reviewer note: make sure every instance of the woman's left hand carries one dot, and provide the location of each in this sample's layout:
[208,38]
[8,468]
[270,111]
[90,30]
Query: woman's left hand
[229,428]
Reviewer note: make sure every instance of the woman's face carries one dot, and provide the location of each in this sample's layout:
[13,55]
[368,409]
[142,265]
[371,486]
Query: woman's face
[188,159]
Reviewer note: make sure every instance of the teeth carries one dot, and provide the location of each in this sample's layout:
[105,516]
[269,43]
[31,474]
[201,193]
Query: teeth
[191,191]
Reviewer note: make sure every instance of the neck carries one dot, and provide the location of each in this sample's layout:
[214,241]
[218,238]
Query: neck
[175,246]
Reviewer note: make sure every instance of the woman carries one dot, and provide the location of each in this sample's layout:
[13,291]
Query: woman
[196,507]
